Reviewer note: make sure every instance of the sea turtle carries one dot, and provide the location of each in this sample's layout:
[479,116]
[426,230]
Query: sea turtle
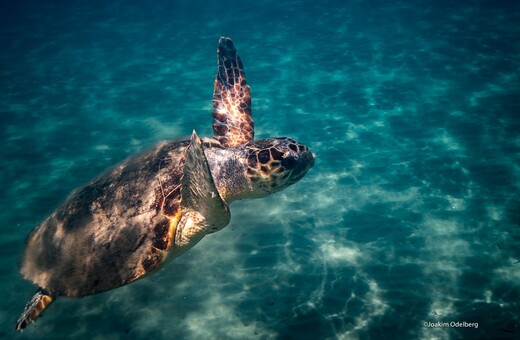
[126,223]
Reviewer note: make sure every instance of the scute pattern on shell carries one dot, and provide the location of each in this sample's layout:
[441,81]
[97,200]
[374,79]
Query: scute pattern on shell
[113,230]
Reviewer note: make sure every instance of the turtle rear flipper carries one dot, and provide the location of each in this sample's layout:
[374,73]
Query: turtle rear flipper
[39,302]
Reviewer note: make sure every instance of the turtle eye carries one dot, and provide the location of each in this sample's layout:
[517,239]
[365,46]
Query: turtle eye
[289,162]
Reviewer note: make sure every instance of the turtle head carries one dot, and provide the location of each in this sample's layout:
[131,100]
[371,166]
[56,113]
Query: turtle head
[257,168]
[275,163]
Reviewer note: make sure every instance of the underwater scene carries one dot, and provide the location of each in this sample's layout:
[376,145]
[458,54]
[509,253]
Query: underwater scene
[406,227]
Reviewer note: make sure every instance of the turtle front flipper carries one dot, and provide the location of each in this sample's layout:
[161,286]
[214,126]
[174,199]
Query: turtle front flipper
[232,122]
[39,302]
[203,210]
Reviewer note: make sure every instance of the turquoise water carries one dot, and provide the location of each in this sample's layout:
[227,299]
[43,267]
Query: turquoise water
[410,215]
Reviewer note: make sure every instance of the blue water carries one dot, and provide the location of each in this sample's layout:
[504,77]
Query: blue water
[410,216]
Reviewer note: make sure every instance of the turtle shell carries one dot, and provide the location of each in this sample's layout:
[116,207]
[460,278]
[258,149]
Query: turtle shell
[112,231]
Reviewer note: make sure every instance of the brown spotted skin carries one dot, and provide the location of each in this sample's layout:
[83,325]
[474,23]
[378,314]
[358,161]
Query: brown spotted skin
[275,163]
[232,122]
[258,168]
[113,230]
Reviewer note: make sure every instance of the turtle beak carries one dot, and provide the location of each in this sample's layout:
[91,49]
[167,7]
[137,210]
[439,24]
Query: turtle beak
[305,162]
[308,157]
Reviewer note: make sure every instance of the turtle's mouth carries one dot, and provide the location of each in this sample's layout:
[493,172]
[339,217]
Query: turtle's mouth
[304,163]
